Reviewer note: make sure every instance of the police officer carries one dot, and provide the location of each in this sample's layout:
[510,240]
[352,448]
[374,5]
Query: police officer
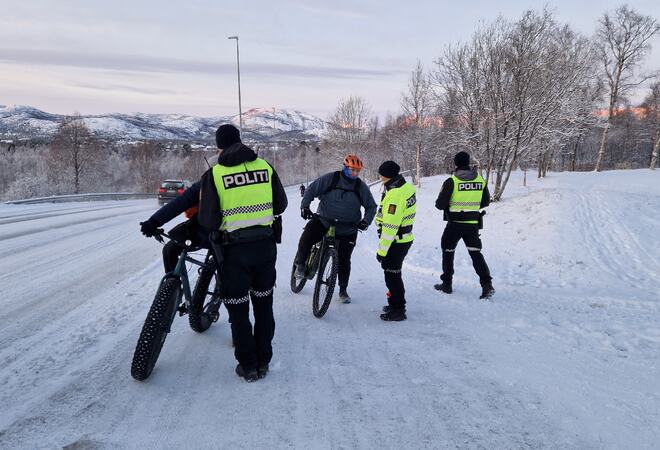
[462,197]
[395,218]
[241,198]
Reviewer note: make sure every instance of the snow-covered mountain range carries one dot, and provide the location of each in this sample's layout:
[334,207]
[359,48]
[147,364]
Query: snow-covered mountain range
[259,124]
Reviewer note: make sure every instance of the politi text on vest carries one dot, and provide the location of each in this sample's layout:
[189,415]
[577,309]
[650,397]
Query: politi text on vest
[471,186]
[245,178]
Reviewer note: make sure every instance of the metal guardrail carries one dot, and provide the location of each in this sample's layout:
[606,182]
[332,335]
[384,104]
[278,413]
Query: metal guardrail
[83,198]
[128,195]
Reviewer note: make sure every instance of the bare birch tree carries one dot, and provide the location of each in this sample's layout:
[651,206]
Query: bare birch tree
[508,87]
[350,125]
[74,153]
[651,116]
[623,39]
[417,106]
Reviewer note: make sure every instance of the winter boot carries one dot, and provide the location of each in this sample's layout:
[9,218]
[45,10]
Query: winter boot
[249,375]
[394,315]
[343,295]
[487,291]
[262,371]
[444,287]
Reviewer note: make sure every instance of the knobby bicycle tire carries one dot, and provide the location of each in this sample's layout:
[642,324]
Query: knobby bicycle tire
[296,285]
[198,318]
[321,305]
[155,328]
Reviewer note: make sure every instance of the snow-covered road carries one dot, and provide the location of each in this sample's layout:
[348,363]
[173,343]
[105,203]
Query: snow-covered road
[566,356]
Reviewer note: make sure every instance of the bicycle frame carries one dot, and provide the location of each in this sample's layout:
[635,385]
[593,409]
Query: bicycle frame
[181,273]
[321,247]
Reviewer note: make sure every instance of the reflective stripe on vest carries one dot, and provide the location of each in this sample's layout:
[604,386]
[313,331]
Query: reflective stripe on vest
[245,193]
[466,196]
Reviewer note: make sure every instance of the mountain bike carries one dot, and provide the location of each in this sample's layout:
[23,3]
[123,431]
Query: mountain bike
[323,260]
[201,305]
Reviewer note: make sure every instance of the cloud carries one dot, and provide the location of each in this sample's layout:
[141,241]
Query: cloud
[138,63]
[121,87]
[342,9]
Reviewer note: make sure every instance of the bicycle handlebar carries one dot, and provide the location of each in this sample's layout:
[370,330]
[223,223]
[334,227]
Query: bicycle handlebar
[159,237]
[333,220]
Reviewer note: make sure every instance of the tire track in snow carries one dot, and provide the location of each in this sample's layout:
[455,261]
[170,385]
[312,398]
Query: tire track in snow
[17,234]
[613,248]
[56,213]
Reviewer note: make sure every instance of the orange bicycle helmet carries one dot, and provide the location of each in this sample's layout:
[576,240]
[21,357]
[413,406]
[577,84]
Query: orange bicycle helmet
[353,162]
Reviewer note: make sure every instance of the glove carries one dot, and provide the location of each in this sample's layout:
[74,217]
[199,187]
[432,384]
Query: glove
[306,213]
[379,258]
[149,228]
[362,225]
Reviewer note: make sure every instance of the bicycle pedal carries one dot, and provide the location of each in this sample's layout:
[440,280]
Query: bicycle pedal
[182,310]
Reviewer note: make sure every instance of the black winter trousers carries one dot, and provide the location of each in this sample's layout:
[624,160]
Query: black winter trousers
[171,253]
[453,233]
[313,233]
[392,264]
[182,232]
[248,274]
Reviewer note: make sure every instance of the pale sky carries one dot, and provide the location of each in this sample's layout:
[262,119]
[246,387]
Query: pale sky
[94,56]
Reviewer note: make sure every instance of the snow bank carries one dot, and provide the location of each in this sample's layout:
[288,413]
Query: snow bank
[566,355]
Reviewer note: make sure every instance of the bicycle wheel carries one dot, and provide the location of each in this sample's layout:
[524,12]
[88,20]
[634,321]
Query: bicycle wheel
[325,282]
[155,328]
[199,316]
[296,285]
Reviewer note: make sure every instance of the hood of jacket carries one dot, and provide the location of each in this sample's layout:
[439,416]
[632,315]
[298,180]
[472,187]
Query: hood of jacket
[236,154]
[465,174]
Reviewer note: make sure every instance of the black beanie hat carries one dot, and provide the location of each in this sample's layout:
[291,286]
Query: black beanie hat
[389,169]
[226,135]
[462,159]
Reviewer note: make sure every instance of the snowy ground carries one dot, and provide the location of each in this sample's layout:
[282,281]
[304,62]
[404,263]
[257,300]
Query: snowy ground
[566,356]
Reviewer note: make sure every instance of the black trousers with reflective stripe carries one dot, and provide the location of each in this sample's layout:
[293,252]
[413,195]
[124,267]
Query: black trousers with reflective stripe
[453,233]
[248,274]
[392,264]
[313,233]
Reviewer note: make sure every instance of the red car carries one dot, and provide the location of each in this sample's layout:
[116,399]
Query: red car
[170,189]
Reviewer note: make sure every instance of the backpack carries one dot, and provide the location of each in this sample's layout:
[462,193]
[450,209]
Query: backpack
[335,182]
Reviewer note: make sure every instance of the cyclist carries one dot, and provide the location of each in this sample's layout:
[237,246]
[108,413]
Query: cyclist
[240,199]
[395,219]
[341,196]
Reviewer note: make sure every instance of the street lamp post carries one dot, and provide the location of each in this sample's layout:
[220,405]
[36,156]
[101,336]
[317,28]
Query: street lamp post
[304,146]
[238,68]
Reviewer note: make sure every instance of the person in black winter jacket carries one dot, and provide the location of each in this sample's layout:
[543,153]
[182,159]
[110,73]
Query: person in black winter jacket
[461,205]
[188,230]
